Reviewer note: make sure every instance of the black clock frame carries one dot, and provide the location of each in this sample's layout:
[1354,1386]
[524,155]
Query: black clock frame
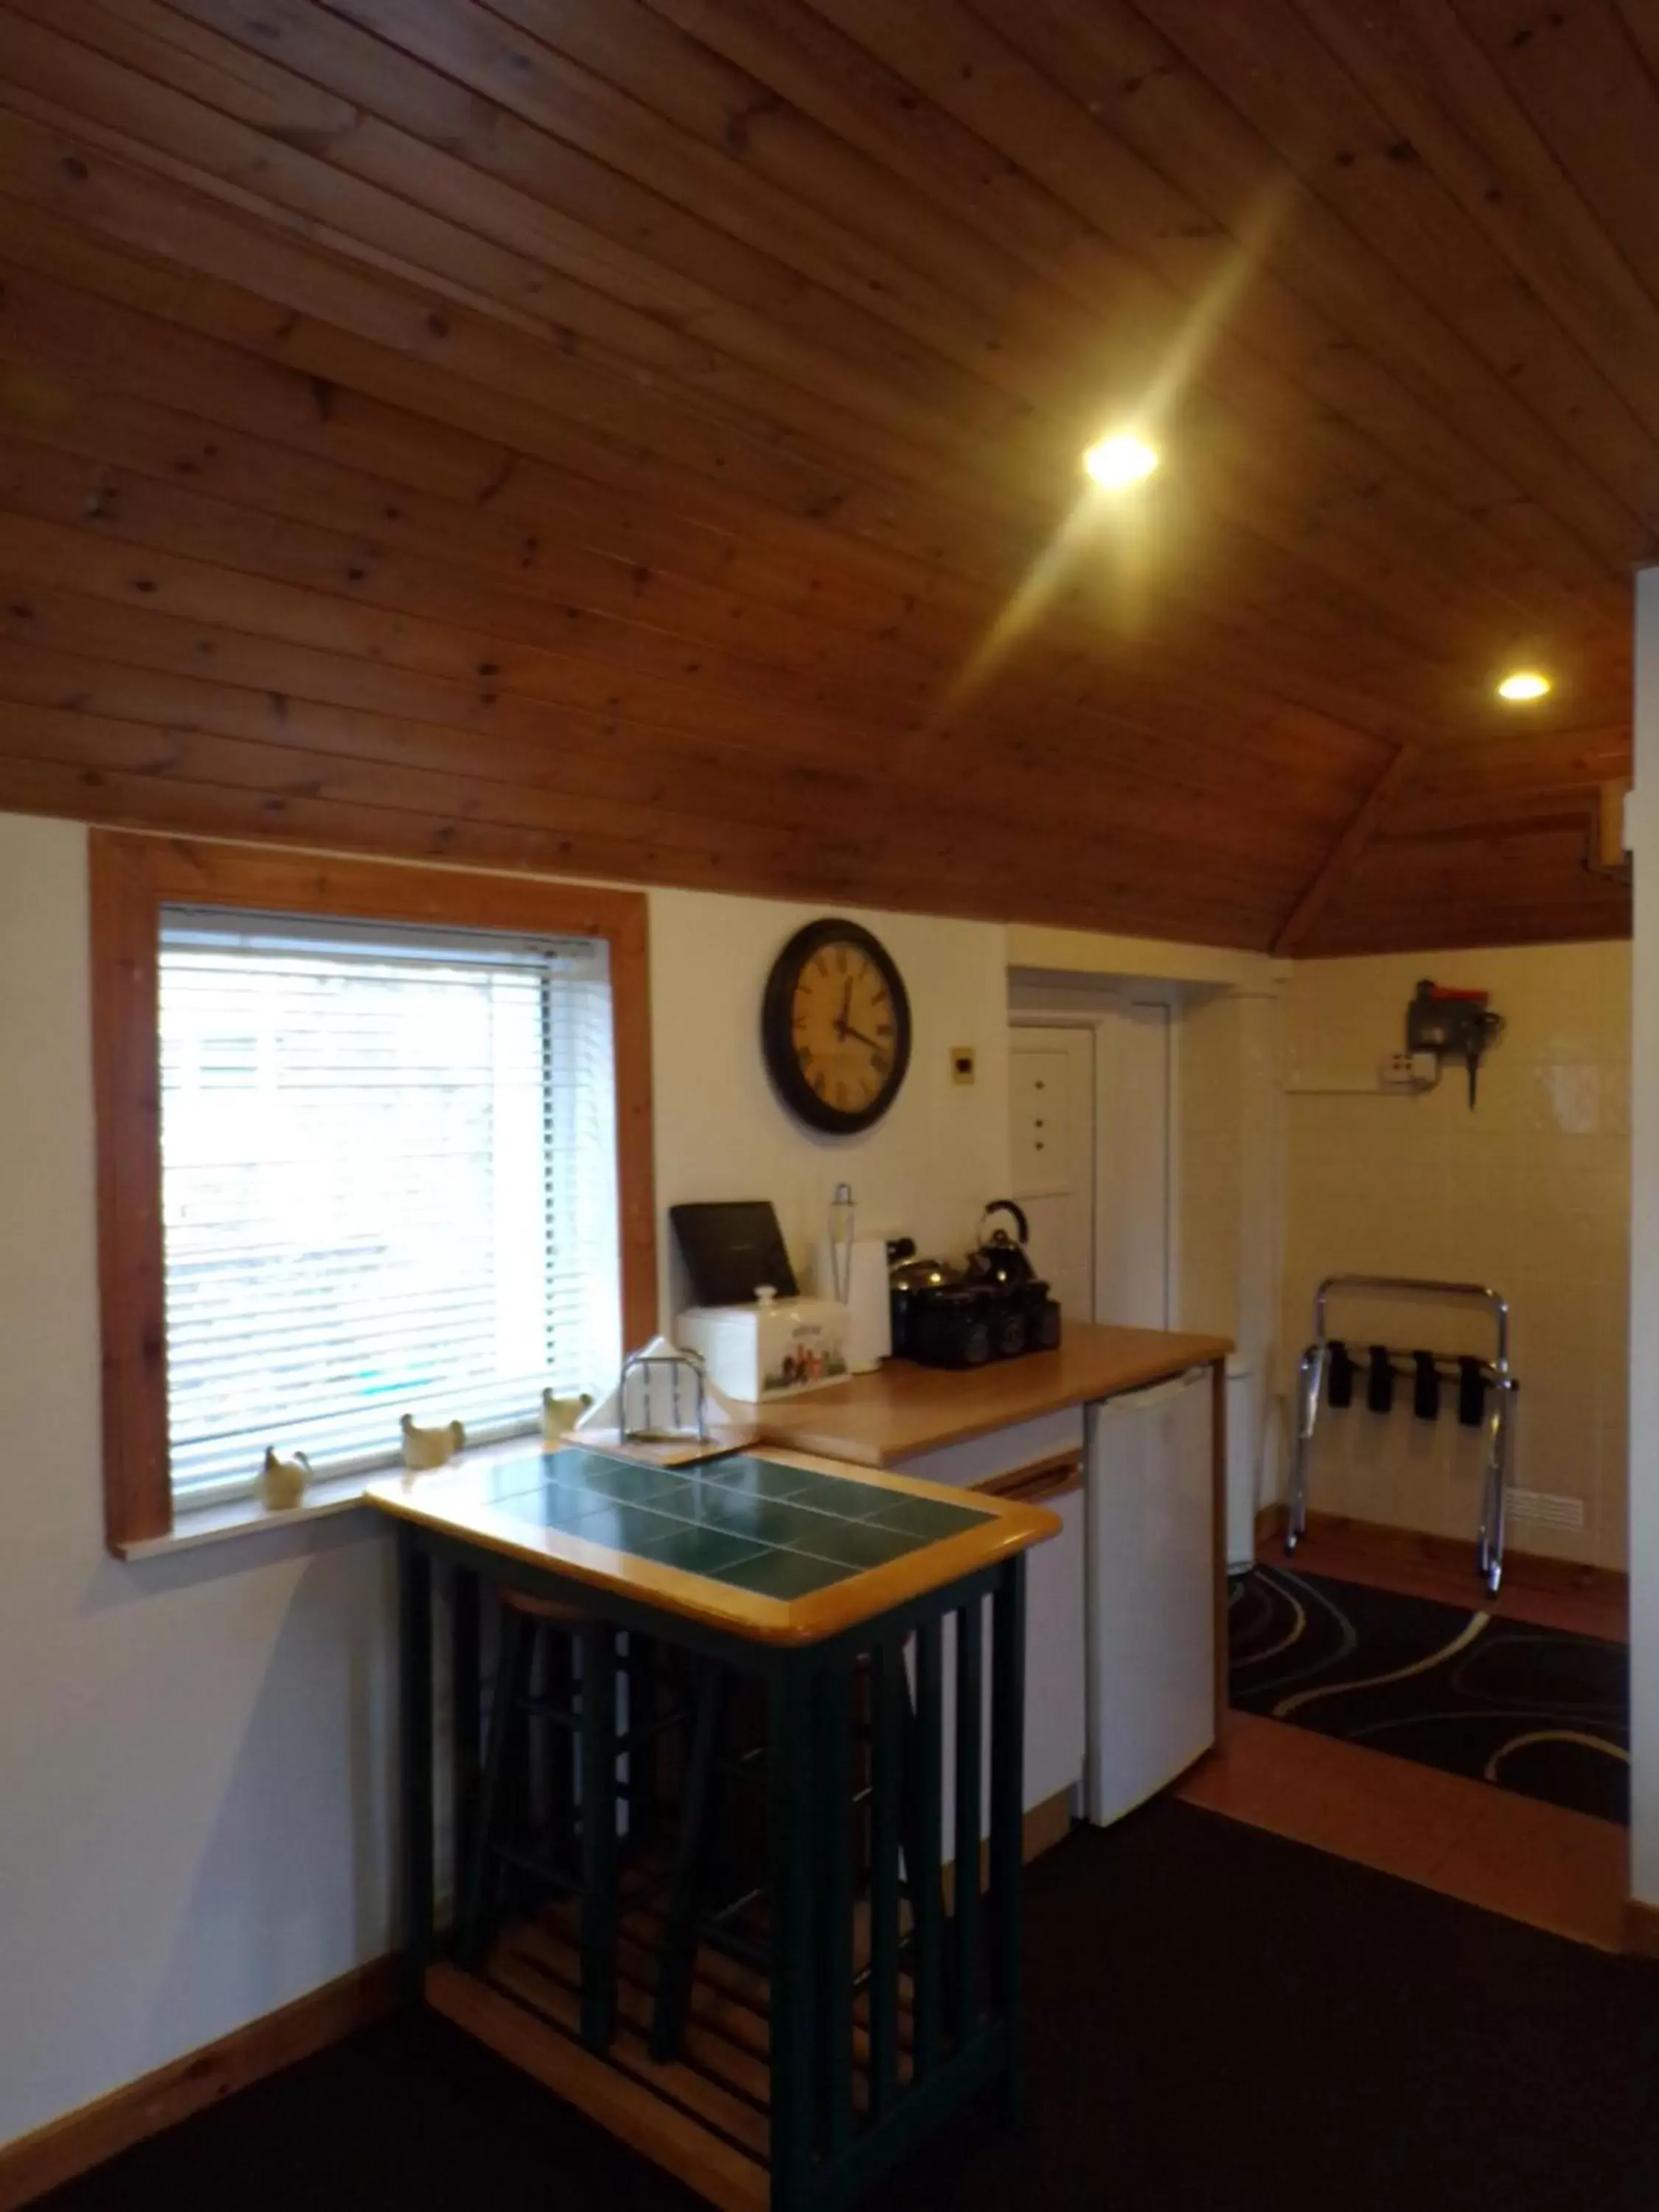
[777,1027]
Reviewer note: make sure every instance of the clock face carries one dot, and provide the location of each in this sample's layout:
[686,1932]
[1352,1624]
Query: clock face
[835,1026]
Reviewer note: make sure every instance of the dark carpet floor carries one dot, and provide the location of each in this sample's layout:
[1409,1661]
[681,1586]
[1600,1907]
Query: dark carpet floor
[1529,1709]
[1218,2019]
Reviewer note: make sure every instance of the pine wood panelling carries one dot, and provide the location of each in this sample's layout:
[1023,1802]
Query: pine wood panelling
[1344,856]
[633,438]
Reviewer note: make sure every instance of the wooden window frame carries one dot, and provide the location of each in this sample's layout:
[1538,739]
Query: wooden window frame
[132,877]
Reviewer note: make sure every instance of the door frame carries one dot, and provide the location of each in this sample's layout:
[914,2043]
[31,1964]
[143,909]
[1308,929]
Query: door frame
[1098,1009]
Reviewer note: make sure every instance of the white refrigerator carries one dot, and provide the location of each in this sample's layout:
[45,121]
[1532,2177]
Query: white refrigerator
[1150,1618]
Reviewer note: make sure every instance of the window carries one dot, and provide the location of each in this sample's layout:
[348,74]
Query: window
[388,1185]
[355,1160]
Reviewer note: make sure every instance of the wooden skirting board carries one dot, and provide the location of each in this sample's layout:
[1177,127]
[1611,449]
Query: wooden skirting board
[1642,1928]
[1536,1568]
[1044,1826]
[83,2139]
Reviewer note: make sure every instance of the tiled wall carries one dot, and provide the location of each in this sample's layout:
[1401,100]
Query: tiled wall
[1531,1193]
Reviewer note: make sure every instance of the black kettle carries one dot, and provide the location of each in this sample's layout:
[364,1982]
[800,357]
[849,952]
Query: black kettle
[1001,1258]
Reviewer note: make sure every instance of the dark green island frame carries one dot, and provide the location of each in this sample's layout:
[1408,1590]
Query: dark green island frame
[851,1670]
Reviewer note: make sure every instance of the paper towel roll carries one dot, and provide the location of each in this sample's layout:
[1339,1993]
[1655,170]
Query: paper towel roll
[870,1338]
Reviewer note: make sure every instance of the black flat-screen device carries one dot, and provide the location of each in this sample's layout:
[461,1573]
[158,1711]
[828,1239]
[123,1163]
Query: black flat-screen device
[730,1247]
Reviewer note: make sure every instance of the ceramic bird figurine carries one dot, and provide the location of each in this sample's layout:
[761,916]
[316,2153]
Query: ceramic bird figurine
[428,1447]
[561,1415]
[283,1482]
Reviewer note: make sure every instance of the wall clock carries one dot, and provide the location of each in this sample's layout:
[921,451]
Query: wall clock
[835,1026]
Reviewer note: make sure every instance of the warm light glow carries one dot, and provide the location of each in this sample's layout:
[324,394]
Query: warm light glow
[1524,684]
[1121,459]
[1105,551]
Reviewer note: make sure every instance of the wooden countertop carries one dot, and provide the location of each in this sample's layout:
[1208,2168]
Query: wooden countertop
[777,1546]
[876,1420]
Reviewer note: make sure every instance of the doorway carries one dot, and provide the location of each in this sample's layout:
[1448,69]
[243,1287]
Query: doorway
[1090,1105]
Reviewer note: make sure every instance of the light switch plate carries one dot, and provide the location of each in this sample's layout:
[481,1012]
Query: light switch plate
[962,1063]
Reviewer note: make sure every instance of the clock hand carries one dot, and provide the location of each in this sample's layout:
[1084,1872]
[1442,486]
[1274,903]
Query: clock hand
[846,1009]
[847,1031]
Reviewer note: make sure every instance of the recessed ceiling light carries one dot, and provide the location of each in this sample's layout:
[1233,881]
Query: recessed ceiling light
[1121,459]
[1524,684]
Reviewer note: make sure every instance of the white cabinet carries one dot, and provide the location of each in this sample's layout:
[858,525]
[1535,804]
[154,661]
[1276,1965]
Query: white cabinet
[1151,1611]
[1055,1665]
[1054,1654]
[999,1451]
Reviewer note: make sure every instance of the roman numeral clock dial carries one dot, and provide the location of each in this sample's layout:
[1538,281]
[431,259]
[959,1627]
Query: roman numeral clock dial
[835,1027]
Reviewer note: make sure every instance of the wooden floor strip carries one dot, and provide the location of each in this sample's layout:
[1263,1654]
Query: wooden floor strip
[706,2048]
[535,1984]
[660,2131]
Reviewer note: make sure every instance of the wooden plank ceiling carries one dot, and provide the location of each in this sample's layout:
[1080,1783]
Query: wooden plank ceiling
[640,438]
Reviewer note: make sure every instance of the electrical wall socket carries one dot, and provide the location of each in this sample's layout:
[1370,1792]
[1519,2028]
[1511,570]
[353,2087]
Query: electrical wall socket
[1409,1071]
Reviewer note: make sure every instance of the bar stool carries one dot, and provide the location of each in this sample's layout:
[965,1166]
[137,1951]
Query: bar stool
[559,1673]
[691,1921]
[574,1713]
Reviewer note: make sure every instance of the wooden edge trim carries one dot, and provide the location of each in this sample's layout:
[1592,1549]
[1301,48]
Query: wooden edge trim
[131,876]
[65,2148]
[1221,1621]
[778,1622]
[1045,1825]
[1038,1481]
[126,1096]
[1641,1929]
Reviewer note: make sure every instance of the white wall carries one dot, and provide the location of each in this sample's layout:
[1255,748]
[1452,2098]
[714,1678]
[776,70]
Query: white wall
[194,1778]
[1531,1193]
[195,1757]
[1645,1260]
[926,1169]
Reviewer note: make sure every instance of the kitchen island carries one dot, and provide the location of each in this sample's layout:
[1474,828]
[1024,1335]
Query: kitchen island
[804,1639]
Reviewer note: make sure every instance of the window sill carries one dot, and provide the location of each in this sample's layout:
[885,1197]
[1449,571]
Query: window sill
[247,1517]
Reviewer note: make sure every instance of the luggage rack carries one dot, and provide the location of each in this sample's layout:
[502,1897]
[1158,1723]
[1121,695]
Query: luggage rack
[1494,1378]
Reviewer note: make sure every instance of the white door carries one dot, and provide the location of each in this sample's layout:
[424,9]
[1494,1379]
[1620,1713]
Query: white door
[1052,1145]
[1132,1276]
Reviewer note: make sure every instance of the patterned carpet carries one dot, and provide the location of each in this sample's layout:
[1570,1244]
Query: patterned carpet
[1529,1709]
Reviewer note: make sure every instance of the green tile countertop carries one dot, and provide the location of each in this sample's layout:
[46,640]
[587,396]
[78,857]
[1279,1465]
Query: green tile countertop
[780,1545]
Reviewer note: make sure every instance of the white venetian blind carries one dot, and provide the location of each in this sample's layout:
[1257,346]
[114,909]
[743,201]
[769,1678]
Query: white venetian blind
[389,1186]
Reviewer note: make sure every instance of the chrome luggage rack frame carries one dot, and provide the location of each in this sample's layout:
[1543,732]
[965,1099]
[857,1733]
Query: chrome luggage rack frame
[1499,1421]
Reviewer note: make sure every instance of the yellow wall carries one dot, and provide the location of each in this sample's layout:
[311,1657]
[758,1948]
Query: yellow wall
[1531,1193]
[1210,1187]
